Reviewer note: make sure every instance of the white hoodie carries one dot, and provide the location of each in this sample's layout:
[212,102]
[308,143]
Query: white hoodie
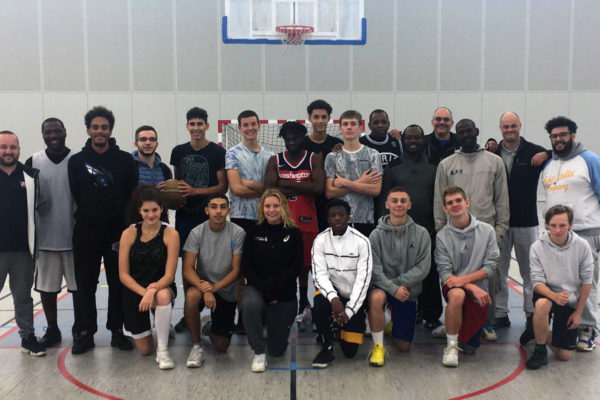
[563,268]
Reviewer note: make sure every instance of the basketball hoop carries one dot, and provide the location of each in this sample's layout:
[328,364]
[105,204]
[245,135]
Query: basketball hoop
[294,35]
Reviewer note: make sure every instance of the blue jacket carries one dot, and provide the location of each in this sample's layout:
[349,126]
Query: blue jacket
[151,176]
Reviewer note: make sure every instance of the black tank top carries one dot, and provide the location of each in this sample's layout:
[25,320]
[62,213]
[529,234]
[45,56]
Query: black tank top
[147,260]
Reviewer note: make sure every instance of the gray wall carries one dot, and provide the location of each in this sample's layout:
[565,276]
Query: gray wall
[151,60]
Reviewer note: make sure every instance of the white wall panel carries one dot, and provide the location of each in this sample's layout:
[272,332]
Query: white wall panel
[463,105]
[540,108]
[584,111]
[241,68]
[415,108]
[367,102]
[26,125]
[285,69]
[234,103]
[586,57]
[285,106]
[158,110]
[329,68]
[70,108]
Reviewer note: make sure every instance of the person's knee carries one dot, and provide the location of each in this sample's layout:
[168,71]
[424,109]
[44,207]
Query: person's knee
[163,297]
[456,297]
[221,343]
[377,299]
[542,307]
[349,349]
[564,355]
[402,345]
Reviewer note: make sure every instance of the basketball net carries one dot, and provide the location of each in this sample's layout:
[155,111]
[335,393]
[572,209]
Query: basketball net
[293,36]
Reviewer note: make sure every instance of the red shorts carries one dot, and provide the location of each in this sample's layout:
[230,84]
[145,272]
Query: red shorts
[307,241]
[474,317]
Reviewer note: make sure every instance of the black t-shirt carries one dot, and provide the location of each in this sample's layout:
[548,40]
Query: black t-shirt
[198,168]
[389,148]
[13,212]
[321,148]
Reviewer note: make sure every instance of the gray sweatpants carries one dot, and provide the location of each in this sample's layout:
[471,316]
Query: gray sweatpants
[278,317]
[589,317]
[521,239]
[19,267]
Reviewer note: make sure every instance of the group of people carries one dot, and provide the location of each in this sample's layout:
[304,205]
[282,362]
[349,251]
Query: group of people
[386,222]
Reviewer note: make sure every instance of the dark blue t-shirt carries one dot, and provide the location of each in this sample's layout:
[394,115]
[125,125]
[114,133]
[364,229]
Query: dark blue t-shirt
[13,212]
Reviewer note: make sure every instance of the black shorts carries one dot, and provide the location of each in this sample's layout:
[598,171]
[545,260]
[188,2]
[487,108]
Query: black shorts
[562,337]
[137,322]
[222,318]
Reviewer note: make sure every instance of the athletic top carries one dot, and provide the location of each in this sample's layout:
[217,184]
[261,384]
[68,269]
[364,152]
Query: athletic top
[389,148]
[302,206]
[147,260]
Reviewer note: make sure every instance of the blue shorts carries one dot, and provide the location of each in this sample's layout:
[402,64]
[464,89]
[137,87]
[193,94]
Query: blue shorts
[404,317]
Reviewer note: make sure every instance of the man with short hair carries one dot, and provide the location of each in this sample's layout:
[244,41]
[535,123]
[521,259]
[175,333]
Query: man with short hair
[101,178]
[354,174]
[380,139]
[211,266]
[441,143]
[466,255]
[151,171]
[401,260]
[54,257]
[562,269]
[17,236]
[482,175]
[341,266]
[299,175]
[518,154]
[572,178]
[416,173]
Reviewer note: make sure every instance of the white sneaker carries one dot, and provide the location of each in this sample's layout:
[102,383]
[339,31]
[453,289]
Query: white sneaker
[439,332]
[195,358]
[171,332]
[259,363]
[450,358]
[304,319]
[163,359]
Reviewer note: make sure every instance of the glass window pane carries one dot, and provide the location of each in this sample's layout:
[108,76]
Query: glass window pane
[326,16]
[283,12]
[304,15]
[261,15]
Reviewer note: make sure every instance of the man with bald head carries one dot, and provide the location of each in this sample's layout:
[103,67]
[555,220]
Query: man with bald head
[517,155]
[482,175]
[441,143]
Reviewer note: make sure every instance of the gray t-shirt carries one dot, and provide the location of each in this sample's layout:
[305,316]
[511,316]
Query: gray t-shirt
[215,251]
[508,157]
[351,165]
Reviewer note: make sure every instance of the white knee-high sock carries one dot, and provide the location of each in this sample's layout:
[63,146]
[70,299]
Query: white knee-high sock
[162,321]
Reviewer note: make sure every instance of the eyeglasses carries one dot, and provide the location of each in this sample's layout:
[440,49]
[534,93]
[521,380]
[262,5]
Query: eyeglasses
[147,139]
[440,119]
[562,135]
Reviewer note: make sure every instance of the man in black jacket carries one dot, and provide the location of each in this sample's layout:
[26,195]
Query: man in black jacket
[523,175]
[102,178]
[441,143]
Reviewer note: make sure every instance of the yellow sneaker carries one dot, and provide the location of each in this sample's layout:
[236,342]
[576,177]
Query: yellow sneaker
[387,331]
[377,358]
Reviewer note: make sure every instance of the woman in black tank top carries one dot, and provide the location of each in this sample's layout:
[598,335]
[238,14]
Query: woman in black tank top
[148,254]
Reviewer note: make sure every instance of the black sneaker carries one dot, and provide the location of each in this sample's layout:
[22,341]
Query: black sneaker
[528,333]
[502,322]
[30,345]
[181,326]
[538,359]
[51,337]
[431,325]
[82,343]
[121,341]
[324,358]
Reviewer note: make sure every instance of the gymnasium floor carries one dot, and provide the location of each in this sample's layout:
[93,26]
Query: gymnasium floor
[496,371]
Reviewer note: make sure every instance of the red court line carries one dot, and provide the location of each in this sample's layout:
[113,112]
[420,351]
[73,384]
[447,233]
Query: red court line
[515,286]
[504,381]
[63,370]
[38,312]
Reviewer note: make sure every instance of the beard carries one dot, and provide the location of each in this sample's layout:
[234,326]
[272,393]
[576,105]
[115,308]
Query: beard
[566,148]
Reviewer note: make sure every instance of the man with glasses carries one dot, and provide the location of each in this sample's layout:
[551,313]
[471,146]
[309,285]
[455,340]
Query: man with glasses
[151,170]
[441,143]
[572,178]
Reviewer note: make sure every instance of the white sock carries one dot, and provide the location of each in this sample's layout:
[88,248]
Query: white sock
[162,321]
[377,337]
[197,345]
[452,339]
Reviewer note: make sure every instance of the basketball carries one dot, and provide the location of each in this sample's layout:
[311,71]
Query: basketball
[171,196]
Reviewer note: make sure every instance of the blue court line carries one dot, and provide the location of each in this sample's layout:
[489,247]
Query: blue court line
[335,42]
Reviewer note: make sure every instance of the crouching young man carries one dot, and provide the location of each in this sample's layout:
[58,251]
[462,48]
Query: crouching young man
[466,255]
[562,269]
[401,260]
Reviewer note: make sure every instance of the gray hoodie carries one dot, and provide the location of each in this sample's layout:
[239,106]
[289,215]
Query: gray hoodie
[463,251]
[401,256]
[563,268]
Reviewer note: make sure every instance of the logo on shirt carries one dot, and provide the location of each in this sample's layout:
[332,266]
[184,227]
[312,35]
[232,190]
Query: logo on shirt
[456,172]
[261,239]
[22,183]
[103,177]
[285,239]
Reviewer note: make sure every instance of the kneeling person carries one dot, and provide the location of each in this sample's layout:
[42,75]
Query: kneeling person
[401,260]
[341,266]
[562,269]
[211,266]
[466,255]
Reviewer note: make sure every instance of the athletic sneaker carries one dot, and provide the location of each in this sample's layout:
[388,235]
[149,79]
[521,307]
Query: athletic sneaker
[538,359]
[171,332]
[450,358]
[439,332]
[195,358]
[502,322]
[587,339]
[528,333]
[377,358]
[121,341]
[466,348]
[205,323]
[30,345]
[324,358]
[181,326]
[163,359]
[82,343]
[304,319]
[489,333]
[259,363]
[51,337]
[431,325]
